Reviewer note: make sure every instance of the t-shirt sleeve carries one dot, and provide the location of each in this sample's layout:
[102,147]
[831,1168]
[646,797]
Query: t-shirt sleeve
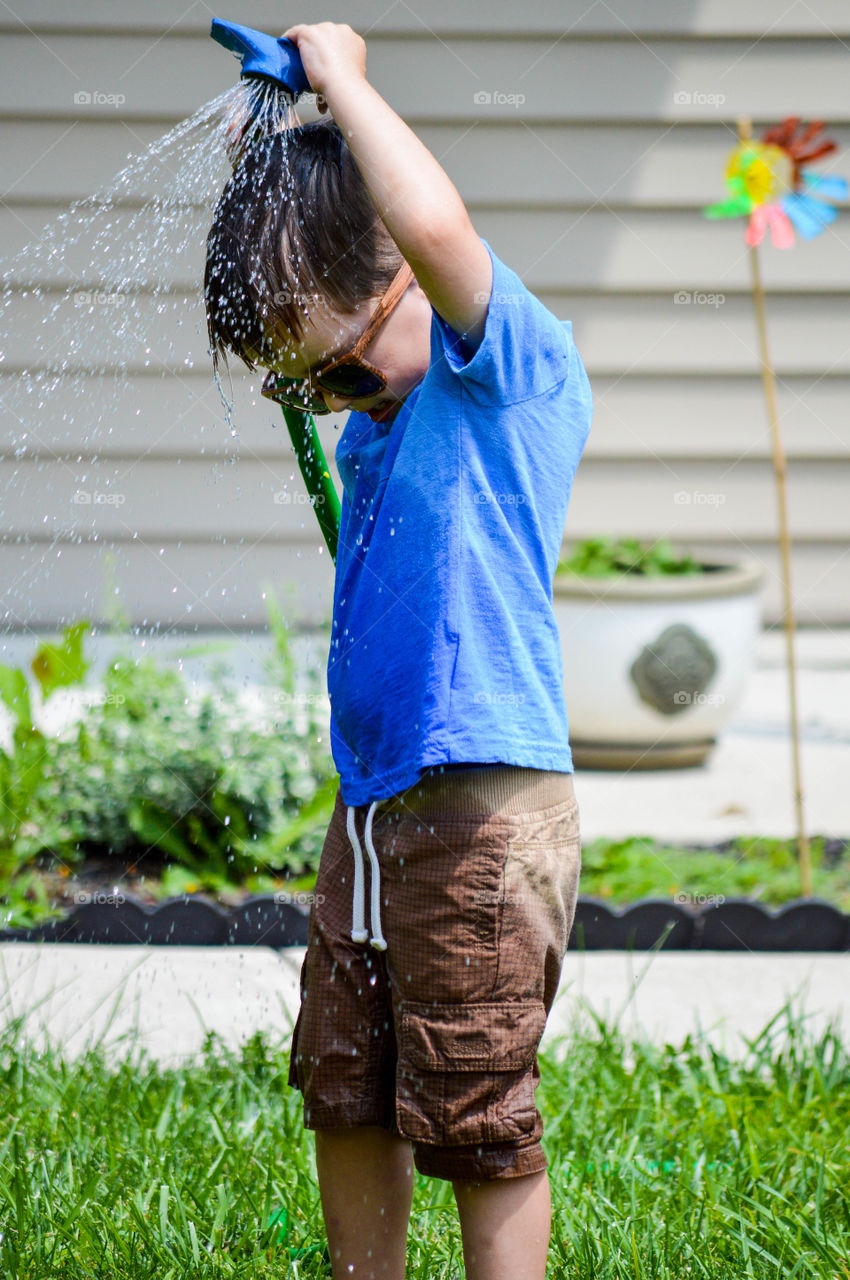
[525,350]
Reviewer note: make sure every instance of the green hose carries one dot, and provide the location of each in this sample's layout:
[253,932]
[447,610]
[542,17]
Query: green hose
[317,477]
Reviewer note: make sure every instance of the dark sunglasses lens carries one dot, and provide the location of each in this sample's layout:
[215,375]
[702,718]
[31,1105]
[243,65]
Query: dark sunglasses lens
[294,393]
[351,381]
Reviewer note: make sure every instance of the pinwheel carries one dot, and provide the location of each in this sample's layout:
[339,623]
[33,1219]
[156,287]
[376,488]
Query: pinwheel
[768,183]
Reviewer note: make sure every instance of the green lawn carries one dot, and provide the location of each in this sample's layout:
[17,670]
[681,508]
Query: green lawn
[665,1163]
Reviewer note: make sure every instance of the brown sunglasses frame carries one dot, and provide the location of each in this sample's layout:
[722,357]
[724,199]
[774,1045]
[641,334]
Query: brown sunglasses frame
[395,292]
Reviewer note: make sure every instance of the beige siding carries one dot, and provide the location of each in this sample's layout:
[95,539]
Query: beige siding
[590,189]
[498,19]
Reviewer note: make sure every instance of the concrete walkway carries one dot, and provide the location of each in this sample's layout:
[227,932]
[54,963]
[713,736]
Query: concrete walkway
[165,999]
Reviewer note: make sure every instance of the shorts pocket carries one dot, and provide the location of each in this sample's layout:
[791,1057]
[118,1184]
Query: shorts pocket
[466,1071]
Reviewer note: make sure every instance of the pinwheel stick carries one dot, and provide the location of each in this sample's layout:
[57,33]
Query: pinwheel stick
[781,473]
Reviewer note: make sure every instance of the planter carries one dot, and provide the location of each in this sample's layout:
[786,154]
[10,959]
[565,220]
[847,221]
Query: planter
[654,667]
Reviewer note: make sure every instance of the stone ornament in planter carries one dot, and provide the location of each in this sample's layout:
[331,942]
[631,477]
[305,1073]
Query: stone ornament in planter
[655,666]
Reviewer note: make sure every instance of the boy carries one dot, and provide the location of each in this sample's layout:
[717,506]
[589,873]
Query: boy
[343,259]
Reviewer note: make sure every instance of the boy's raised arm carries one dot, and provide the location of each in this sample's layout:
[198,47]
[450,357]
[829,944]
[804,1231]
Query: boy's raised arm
[418,203]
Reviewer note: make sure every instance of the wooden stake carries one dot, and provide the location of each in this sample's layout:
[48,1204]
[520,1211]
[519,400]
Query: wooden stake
[781,471]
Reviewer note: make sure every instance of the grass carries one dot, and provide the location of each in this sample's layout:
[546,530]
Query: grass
[665,1162]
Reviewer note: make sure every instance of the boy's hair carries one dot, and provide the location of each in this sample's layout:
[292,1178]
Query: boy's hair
[295,222]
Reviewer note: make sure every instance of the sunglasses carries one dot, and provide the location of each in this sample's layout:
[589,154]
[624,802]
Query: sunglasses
[348,376]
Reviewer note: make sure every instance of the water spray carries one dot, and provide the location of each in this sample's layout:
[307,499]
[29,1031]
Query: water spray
[276,62]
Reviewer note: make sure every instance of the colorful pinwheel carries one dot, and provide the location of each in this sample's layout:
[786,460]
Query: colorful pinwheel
[767,183]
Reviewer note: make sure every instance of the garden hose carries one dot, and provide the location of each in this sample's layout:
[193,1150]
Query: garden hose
[268,60]
[317,477]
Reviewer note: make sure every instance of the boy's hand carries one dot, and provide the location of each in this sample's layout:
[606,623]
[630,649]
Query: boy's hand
[330,51]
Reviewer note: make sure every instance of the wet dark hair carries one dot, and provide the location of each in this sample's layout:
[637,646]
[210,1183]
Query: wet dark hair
[295,220]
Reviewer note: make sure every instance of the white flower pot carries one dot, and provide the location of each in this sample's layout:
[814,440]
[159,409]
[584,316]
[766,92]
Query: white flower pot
[654,667]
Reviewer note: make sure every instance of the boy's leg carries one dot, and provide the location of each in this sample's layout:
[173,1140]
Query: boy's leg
[505,1224]
[343,1062]
[366,1185]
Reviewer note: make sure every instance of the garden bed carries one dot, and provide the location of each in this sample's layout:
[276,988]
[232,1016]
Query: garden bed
[109,901]
[164,817]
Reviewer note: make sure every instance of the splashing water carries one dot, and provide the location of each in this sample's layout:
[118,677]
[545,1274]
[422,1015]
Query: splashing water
[106,299]
[101,275]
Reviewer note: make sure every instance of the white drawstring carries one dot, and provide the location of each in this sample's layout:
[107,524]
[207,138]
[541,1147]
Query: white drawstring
[377,939]
[359,932]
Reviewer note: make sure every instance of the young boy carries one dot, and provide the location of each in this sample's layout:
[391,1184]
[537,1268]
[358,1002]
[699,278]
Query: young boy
[343,259]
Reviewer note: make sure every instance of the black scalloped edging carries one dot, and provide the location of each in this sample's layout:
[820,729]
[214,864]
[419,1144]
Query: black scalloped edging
[185,921]
[735,925]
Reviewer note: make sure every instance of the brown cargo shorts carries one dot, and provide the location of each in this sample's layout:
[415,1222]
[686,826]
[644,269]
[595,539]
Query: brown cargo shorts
[435,1038]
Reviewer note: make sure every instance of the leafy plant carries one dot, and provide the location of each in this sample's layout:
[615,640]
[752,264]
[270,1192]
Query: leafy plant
[151,768]
[605,557]
[24,766]
[762,869]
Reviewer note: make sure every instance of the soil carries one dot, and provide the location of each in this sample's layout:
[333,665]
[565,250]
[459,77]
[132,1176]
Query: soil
[98,875]
[101,874]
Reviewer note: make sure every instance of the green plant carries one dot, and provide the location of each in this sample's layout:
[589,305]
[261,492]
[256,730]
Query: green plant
[149,767]
[762,869]
[24,765]
[605,557]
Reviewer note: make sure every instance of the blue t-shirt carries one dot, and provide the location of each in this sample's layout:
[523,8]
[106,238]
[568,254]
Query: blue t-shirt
[444,645]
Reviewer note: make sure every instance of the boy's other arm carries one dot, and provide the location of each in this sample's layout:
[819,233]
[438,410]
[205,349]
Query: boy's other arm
[417,201]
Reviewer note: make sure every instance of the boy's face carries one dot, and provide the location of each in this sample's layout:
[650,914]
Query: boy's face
[401,350]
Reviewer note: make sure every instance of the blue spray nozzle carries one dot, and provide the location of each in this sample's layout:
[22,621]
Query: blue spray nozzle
[273,58]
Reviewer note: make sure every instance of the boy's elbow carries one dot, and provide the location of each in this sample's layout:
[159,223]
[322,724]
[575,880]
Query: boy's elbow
[437,230]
